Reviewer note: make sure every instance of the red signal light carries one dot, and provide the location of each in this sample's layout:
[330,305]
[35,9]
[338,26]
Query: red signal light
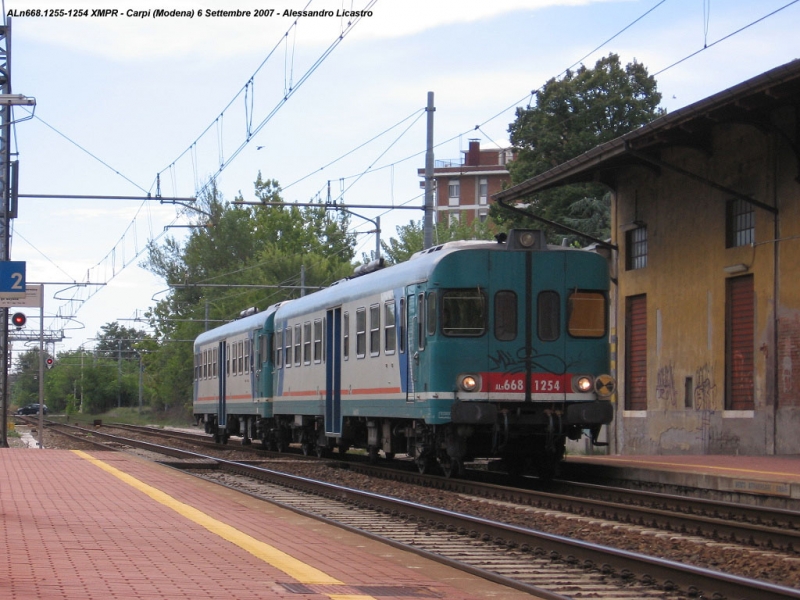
[49,362]
[18,320]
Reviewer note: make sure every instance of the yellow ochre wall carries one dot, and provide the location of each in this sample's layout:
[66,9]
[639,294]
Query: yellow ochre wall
[685,284]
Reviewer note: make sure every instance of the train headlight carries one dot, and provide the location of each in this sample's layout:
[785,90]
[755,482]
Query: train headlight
[582,383]
[527,239]
[469,383]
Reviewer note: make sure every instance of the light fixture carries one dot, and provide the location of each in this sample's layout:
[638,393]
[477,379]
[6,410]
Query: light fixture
[636,224]
[733,269]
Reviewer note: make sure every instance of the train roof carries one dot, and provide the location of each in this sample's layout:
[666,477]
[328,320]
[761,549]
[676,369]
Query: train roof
[255,321]
[417,269]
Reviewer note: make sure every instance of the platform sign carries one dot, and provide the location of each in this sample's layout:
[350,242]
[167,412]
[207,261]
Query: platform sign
[30,297]
[12,276]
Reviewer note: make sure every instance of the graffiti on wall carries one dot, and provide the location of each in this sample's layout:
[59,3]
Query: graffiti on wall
[665,387]
[705,390]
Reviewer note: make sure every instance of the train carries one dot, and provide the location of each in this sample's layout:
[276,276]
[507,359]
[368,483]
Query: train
[469,350]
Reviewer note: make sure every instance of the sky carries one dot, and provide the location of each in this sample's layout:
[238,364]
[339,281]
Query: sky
[134,105]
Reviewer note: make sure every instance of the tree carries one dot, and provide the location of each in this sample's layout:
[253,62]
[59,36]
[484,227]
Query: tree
[237,246]
[572,115]
[410,238]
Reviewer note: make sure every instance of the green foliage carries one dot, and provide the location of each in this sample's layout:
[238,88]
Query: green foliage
[238,246]
[410,238]
[572,115]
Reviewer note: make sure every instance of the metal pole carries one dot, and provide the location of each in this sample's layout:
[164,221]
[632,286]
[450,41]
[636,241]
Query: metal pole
[5,222]
[141,370]
[377,238]
[41,367]
[428,220]
[119,373]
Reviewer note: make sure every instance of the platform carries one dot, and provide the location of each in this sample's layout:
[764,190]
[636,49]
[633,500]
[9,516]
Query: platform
[766,480]
[106,525]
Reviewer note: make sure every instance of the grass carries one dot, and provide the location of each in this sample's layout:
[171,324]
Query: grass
[132,416]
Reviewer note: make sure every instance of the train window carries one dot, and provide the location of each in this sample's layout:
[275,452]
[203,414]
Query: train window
[205,364]
[587,314]
[287,348]
[361,332]
[390,333]
[403,317]
[307,343]
[247,356]
[463,313]
[548,309]
[324,339]
[214,364]
[431,313]
[346,336]
[421,321]
[375,330]
[505,315]
[241,357]
[277,351]
[317,340]
[297,345]
[227,359]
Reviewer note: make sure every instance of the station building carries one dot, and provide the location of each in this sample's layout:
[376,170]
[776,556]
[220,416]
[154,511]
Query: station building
[705,312]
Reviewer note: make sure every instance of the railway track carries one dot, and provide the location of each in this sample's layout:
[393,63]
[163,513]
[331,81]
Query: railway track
[768,529]
[516,556]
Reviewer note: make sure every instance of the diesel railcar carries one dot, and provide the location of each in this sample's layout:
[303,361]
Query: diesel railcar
[469,349]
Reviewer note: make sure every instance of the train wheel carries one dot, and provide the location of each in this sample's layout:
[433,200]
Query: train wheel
[424,465]
[225,437]
[343,448]
[389,455]
[322,451]
[280,446]
[306,447]
[451,467]
[373,455]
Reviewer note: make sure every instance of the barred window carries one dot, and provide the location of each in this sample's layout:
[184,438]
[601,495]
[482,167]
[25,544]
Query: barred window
[636,244]
[740,223]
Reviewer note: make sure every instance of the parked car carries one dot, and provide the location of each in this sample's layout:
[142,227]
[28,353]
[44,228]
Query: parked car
[32,409]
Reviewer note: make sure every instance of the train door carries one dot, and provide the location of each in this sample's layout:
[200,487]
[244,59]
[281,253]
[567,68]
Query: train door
[263,365]
[549,308]
[333,372]
[222,416]
[527,341]
[415,306]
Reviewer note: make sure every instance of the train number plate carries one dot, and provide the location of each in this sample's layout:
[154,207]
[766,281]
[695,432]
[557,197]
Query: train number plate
[541,383]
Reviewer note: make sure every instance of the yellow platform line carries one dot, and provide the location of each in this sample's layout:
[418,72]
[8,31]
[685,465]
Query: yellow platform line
[282,561]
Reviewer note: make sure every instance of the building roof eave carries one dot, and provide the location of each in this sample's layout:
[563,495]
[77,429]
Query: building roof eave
[745,102]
